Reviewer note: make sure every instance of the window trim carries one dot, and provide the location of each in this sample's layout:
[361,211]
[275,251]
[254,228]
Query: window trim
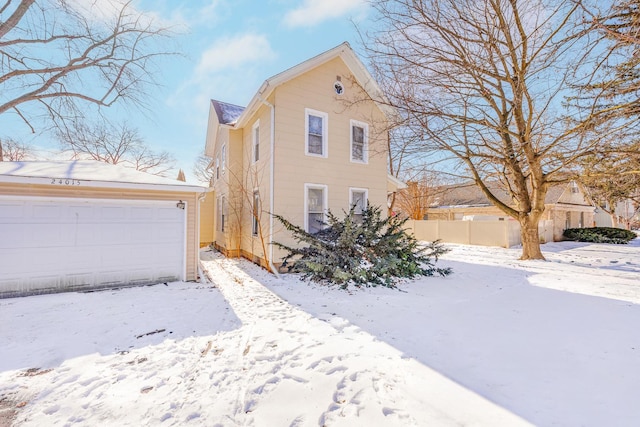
[365,144]
[223,154]
[222,212]
[325,202]
[217,167]
[255,219]
[358,190]
[325,128]
[255,143]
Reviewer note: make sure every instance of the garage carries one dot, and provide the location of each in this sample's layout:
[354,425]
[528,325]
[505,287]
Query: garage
[81,225]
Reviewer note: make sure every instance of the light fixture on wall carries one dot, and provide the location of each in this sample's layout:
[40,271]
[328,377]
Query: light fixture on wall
[180,204]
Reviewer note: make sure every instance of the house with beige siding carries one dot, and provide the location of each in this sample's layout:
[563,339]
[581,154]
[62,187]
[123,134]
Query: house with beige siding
[311,139]
[567,205]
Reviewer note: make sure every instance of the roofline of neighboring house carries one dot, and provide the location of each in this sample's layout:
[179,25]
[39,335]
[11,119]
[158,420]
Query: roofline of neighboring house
[399,184]
[84,183]
[347,54]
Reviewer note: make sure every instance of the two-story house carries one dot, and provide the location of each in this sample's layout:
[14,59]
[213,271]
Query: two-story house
[312,138]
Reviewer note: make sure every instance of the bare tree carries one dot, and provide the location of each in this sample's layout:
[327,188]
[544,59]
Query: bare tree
[485,81]
[421,192]
[14,151]
[202,170]
[58,57]
[115,144]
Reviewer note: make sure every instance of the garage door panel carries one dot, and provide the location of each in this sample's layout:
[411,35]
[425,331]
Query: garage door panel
[83,235]
[80,214]
[14,262]
[141,213]
[169,213]
[60,244]
[112,213]
[45,212]
[45,235]
[78,280]
[141,232]
[12,235]
[11,211]
[114,233]
[164,233]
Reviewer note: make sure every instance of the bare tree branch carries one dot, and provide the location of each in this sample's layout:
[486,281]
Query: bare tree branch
[115,144]
[59,57]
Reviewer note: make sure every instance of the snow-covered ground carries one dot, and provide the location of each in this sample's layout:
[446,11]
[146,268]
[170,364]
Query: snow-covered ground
[500,342]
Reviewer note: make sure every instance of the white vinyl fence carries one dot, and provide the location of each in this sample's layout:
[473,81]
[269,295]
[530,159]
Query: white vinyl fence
[483,233]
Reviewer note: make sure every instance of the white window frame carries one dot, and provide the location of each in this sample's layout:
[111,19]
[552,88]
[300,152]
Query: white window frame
[219,214]
[217,167]
[223,155]
[222,213]
[358,190]
[255,213]
[325,202]
[365,146]
[325,128]
[255,145]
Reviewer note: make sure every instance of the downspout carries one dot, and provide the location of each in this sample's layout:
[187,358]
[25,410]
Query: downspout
[274,270]
[200,272]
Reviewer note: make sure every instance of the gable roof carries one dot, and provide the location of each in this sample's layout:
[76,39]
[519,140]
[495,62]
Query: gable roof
[89,173]
[346,53]
[469,194]
[228,114]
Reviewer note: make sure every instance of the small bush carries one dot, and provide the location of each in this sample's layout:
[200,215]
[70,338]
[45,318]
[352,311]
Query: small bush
[600,235]
[365,252]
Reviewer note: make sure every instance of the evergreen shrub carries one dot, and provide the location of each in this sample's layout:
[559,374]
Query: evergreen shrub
[363,250]
[600,235]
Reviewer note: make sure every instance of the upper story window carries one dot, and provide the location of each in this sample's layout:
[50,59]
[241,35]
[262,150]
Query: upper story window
[217,168]
[359,142]
[316,133]
[256,141]
[223,155]
[315,207]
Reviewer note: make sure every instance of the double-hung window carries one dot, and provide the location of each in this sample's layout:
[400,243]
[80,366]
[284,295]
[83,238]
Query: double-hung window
[256,141]
[359,142]
[358,201]
[256,213]
[315,207]
[316,125]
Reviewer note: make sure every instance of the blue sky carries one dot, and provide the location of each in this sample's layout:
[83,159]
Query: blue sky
[232,46]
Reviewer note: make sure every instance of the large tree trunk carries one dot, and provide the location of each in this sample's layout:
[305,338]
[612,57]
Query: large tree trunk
[530,238]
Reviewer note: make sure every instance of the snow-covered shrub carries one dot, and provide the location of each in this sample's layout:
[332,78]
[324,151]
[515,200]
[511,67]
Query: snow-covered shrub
[600,235]
[363,250]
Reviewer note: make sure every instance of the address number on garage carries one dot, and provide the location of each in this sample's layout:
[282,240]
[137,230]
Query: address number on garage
[64,181]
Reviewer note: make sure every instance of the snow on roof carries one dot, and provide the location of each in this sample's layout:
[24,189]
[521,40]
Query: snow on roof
[227,113]
[90,173]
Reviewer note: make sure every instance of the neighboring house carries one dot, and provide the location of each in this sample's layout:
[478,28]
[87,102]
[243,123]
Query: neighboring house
[625,215]
[77,225]
[566,205]
[311,139]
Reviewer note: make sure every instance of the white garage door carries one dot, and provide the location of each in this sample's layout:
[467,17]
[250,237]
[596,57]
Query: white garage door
[49,245]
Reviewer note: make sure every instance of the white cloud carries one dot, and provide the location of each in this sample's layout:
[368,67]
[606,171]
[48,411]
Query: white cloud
[229,70]
[313,12]
[230,53]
